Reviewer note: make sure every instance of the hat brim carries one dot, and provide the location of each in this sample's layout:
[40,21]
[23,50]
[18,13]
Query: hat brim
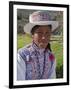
[28,27]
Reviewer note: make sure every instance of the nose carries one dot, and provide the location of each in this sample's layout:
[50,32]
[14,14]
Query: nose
[43,37]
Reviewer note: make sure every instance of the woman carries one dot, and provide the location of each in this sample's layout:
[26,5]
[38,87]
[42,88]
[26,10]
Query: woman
[36,61]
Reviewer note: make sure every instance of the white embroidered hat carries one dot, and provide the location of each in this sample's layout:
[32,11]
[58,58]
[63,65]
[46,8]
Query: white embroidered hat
[40,18]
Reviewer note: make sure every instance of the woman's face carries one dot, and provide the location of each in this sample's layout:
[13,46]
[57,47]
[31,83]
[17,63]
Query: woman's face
[41,36]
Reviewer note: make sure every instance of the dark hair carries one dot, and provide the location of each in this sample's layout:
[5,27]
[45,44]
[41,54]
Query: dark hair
[49,47]
[36,27]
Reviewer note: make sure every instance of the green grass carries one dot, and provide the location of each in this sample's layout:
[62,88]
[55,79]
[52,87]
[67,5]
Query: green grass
[23,40]
[57,48]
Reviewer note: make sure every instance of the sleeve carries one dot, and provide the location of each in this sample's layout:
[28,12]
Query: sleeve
[21,68]
[53,71]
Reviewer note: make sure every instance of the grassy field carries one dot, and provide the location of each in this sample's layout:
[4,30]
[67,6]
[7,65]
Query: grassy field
[57,48]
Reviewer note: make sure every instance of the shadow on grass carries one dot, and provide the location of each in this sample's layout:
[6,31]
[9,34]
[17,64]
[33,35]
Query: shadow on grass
[59,72]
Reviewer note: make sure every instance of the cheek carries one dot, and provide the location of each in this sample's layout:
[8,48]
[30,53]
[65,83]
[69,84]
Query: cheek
[49,37]
[35,37]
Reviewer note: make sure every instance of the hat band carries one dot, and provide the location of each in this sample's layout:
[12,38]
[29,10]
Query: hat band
[39,17]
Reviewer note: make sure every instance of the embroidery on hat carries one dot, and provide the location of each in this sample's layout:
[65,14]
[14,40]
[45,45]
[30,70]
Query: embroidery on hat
[51,57]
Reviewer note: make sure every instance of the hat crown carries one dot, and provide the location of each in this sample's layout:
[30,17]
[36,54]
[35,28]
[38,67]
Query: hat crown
[39,16]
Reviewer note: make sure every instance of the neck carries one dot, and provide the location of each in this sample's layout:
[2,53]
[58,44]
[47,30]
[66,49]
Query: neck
[46,48]
[37,47]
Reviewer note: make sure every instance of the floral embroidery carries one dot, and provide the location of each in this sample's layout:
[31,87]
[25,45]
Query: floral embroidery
[32,69]
[51,57]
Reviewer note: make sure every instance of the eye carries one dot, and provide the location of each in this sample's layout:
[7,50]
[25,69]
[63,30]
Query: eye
[42,33]
[39,32]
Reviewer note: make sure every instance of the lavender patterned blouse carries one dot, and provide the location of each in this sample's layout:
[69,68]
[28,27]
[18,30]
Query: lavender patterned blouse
[34,63]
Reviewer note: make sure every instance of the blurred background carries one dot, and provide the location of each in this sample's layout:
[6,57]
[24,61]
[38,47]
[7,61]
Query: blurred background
[56,38]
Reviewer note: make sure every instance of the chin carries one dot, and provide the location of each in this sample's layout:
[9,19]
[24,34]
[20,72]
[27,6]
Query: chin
[42,46]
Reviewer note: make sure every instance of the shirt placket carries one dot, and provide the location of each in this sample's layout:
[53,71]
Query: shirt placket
[39,57]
